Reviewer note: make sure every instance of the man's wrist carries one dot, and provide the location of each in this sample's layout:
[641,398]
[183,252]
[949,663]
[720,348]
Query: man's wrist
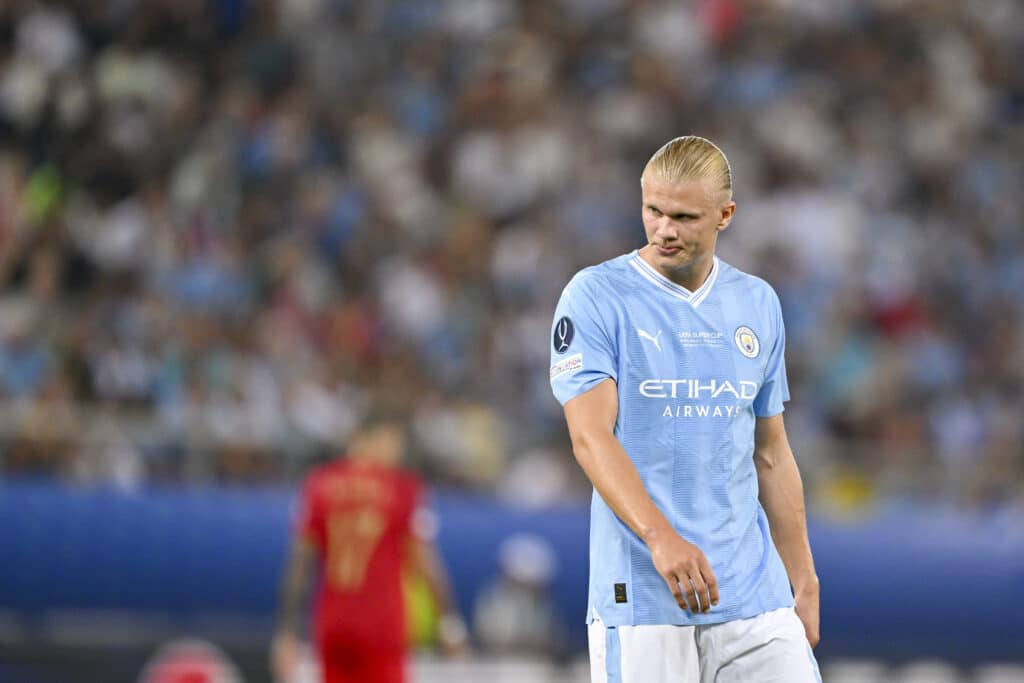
[651,533]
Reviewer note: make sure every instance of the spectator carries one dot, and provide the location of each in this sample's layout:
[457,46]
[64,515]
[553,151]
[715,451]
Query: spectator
[514,615]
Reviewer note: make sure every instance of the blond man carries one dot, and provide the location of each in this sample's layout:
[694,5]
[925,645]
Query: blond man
[670,366]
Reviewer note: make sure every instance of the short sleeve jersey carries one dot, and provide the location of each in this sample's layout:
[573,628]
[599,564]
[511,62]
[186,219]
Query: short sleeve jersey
[360,519]
[693,371]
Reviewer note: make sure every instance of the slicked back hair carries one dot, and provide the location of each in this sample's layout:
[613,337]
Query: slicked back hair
[691,157]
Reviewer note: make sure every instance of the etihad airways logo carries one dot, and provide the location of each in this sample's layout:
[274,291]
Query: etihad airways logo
[697,389]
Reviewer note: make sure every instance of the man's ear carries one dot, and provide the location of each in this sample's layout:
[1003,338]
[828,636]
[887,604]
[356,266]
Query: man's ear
[728,211]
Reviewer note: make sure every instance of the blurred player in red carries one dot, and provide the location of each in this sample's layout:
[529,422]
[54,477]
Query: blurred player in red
[361,523]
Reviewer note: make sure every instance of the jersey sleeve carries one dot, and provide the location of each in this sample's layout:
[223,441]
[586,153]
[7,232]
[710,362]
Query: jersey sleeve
[583,352]
[774,390]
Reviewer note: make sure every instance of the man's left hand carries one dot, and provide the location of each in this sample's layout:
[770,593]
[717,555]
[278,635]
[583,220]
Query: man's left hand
[807,604]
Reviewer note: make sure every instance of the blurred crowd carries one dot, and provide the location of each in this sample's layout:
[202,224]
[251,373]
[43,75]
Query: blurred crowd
[227,226]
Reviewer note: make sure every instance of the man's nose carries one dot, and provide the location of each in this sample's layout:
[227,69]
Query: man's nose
[665,229]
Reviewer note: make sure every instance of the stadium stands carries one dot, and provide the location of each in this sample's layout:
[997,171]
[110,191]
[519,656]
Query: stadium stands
[225,224]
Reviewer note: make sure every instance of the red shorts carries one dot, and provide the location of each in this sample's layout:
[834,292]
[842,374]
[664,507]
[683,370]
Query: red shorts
[346,666]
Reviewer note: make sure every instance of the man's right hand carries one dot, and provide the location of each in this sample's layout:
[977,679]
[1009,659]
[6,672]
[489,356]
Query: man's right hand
[453,636]
[685,569]
[285,656]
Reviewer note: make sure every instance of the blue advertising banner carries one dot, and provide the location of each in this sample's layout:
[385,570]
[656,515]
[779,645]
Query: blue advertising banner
[907,582]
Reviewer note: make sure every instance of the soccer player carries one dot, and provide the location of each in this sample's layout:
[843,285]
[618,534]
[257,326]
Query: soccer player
[359,523]
[669,365]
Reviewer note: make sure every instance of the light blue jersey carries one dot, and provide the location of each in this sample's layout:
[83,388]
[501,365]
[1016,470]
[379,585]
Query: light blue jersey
[693,371]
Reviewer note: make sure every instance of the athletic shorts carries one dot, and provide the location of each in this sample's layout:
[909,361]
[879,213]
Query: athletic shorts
[768,648]
[341,666]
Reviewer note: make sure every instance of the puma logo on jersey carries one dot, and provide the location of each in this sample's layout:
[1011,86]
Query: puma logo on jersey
[656,339]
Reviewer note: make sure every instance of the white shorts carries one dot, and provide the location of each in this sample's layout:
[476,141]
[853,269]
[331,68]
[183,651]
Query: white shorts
[768,648]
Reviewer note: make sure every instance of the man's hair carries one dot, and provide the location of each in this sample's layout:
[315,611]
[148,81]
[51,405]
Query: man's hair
[378,416]
[382,415]
[691,157]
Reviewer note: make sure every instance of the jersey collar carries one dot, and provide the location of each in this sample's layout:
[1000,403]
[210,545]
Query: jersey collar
[657,279]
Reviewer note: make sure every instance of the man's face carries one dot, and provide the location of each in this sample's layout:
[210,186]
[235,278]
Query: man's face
[389,442]
[682,221]
[383,443]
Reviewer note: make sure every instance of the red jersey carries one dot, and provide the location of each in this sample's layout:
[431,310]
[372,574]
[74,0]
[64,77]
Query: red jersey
[360,517]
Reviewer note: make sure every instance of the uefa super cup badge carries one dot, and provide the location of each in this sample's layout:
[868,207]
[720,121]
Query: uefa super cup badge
[747,342]
[561,338]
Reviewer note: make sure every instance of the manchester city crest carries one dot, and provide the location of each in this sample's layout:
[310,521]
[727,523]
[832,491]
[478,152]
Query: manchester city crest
[747,342]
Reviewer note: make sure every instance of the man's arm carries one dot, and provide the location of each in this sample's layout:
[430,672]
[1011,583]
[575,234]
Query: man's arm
[426,562]
[591,418]
[782,495]
[294,592]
